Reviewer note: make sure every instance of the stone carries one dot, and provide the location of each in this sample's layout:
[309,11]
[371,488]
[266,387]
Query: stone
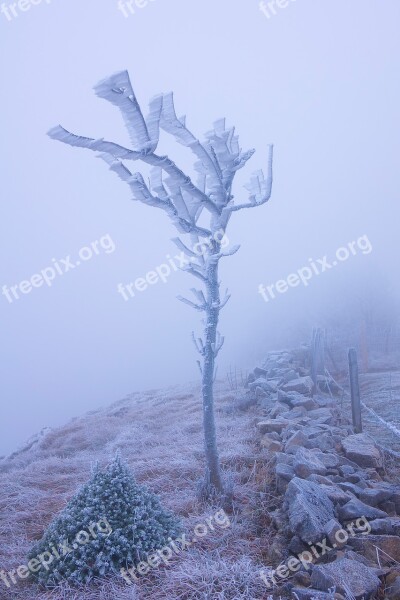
[331,529]
[389,508]
[355,509]
[302,385]
[321,415]
[265,385]
[307,403]
[269,425]
[284,473]
[305,463]
[270,444]
[389,546]
[295,413]
[282,458]
[385,526]
[396,500]
[345,574]
[259,373]
[335,494]
[298,439]
[320,479]
[393,592]
[309,509]
[309,594]
[346,470]
[260,393]
[324,442]
[374,497]
[277,410]
[250,379]
[350,487]
[290,375]
[330,460]
[361,449]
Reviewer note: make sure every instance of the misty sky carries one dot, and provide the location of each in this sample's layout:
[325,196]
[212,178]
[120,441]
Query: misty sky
[318,79]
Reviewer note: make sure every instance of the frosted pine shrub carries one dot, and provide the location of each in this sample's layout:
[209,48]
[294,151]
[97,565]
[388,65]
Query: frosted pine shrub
[110,523]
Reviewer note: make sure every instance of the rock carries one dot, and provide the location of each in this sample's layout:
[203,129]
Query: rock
[295,413]
[321,415]
[299,400]
[385,526]
[324,442]
[355,509]
[277,410]
[298,439]
[270,444]
[351,555]
[260,393]
[389,508]
[284,473]
[274,436]
[309,509]
[320,479]
[393,591]
[309,594]
[350,487]
[259,373]
[302,385]
[345,574]
[372,474]
[396,500]
[290,375]
[373,497]
[361,449]
[246,401]
[330,460]
[272,425]
[250,379]
[367,546]
[305,463]
[297,546]
[331,529]
[346,470]
[265,385]
[282,458]
[335,494]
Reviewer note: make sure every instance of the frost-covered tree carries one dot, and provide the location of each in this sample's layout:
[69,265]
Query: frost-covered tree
[200,211]
[110,523]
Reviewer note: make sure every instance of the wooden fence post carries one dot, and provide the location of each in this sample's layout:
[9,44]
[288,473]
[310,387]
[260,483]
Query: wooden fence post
[355,391]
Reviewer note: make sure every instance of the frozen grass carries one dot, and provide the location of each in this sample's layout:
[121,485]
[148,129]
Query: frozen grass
[160,435]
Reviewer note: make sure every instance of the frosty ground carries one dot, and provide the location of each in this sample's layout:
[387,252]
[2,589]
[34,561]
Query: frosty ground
[160,435]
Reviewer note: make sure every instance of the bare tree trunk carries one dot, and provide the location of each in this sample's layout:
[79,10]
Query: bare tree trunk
[213,471]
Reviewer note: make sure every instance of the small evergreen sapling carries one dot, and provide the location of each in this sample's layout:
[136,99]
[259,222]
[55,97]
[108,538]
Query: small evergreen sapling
[136,525]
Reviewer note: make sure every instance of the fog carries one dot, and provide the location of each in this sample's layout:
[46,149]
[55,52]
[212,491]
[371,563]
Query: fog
[319,80]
